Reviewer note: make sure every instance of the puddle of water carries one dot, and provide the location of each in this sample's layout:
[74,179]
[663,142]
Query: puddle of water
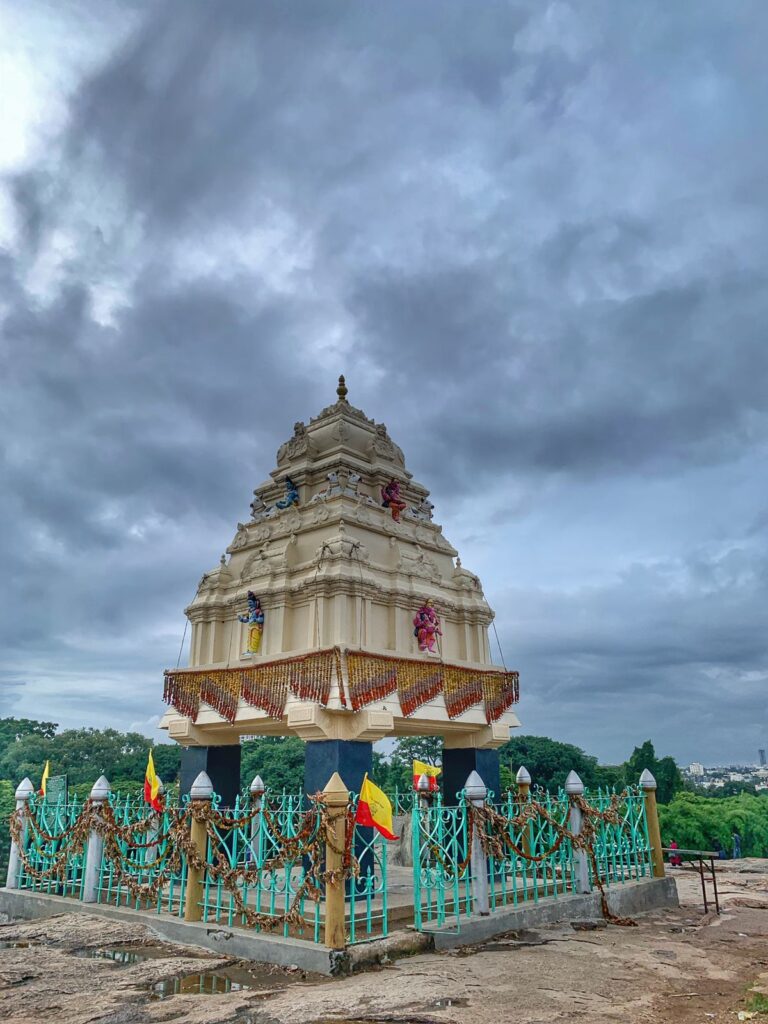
[127,954]
[441,1004]
[214,983]
[8,944]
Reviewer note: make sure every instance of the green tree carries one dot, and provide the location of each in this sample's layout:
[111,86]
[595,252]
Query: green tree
[167,758]
[81,754]
[702,823]
[408,749]
[7,806]
[549,761]
[13,729]
[668,778]
[279,760]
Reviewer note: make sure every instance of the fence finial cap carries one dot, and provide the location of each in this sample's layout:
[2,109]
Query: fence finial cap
[101,788]
[335,786]
[25,789]
[573,784]
[523,776]
[474,787]
[647,780]
[202,787]
[257,786]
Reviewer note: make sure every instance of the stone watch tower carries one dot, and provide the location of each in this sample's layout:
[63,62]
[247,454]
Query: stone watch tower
[307,628]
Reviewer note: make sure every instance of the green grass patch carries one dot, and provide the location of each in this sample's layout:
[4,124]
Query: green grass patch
[757,1002]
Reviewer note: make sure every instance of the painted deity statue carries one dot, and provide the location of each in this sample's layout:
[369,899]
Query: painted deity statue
[391,499]
[426,627]
[291,495]
[255,620]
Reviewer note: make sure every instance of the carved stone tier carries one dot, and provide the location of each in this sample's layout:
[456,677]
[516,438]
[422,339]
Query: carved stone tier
[334,569]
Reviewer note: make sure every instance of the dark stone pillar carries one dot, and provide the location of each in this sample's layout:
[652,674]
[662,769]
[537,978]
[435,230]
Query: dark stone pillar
[222,765]
[347,757]
[460,761]
[351,760]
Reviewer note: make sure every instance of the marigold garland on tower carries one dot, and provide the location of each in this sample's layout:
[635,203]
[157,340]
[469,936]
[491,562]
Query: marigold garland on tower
[372,677]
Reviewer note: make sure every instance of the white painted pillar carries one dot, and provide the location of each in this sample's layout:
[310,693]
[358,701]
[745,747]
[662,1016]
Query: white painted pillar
[99,794]
[476,793]
[23,793]
[575,787]
[257,797]
[425,796]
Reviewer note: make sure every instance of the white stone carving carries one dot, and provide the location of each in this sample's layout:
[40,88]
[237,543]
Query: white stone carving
[423,510]
[419,564]
[241,537]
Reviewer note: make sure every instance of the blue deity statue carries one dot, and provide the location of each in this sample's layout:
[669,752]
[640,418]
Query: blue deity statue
[255,619]
[291,495]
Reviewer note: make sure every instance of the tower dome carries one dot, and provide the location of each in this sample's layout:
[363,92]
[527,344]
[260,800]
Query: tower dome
[342,611]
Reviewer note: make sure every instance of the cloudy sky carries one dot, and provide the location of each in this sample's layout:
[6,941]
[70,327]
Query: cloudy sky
[534,237]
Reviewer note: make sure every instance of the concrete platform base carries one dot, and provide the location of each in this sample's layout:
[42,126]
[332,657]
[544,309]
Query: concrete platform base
[236,942]
[624,900]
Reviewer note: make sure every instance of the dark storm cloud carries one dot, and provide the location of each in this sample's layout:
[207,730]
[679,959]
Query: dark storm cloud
[533,235]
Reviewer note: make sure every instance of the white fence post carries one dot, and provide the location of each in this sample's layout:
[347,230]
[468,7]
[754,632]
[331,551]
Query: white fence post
[424,792]
[257,797]
[92,870]
[23,793]
[476,792]
[575,787]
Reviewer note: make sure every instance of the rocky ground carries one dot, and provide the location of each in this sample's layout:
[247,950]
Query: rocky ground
[678,966]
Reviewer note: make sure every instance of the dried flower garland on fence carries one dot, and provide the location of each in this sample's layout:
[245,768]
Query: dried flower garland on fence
[175,848]
[495,831]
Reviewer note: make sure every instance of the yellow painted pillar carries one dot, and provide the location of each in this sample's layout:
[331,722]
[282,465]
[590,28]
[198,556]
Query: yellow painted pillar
[648,786]
[336,797]
[201,792]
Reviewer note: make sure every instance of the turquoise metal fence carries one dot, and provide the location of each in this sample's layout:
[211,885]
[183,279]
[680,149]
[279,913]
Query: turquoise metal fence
[623,852]
[367,902]
[441,876]
[136,869]
[50,825]
[253,843]
[520,876]
[537,861]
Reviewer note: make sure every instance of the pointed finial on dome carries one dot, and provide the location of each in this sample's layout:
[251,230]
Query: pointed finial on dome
[341,390]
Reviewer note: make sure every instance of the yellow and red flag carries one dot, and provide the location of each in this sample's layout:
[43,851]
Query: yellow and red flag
[44,780]
[430,770]
[374,809]
[152,794]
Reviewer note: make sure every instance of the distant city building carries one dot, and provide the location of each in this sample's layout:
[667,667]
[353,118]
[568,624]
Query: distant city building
[761,755]
[696,769]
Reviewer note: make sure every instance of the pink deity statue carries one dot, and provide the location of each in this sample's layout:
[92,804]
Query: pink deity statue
[390,498]
[426,627]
